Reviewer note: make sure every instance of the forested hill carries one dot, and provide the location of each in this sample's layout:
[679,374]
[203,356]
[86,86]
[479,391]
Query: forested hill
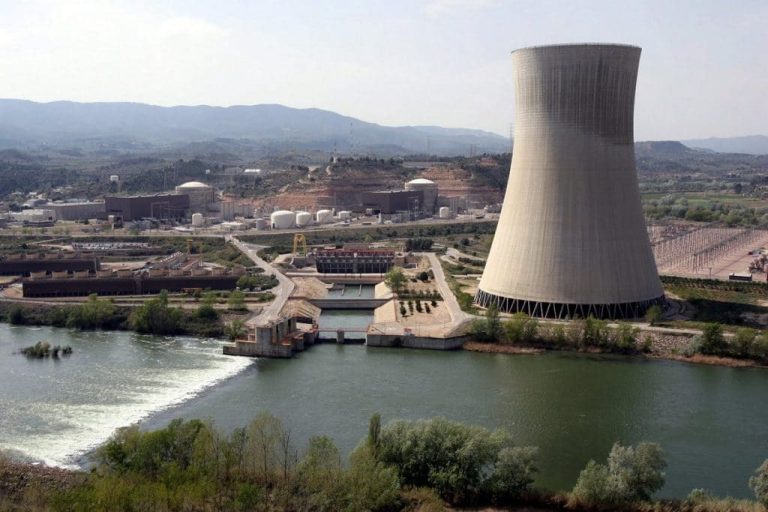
[131,125]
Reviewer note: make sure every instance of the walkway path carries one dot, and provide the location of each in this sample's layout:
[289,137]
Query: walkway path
[458,317]
[282,291]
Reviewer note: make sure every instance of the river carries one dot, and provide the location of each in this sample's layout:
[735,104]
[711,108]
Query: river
[711,421]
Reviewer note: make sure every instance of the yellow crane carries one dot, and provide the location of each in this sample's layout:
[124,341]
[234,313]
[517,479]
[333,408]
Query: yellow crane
[299,245]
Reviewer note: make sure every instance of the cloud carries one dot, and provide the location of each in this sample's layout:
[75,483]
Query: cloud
[443,7]
[190,27]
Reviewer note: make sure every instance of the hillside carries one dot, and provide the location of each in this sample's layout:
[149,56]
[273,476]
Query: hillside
[131,126]
[751,144]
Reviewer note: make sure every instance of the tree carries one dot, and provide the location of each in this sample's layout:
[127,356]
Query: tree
[759,483]
[489,329]
[236,301]
[234,330]
[395,279]
[712,339]
[631,474]
[95,313]
[423,276]
[653,314]
[156,317]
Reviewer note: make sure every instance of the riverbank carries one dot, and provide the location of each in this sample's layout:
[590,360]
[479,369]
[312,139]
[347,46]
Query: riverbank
[114,318]
[189,465]
[728,362]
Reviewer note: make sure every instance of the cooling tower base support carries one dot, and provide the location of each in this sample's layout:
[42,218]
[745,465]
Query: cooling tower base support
[562,311]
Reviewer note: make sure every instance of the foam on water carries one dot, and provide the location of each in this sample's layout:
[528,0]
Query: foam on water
[79,409]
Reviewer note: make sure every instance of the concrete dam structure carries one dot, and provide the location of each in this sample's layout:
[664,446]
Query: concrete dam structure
[571,239]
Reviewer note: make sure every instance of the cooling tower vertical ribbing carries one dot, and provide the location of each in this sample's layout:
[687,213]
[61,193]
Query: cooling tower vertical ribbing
[571,239]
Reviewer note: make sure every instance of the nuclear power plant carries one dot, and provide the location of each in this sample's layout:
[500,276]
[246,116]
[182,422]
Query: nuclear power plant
[571,239]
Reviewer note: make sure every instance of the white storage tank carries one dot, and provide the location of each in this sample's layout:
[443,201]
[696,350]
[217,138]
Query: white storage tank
[303,219]
[198,220]
[282,219]
[445,212]
[324,216]
[345,215]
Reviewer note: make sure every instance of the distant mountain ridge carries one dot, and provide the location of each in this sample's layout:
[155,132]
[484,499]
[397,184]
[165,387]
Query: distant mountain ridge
[64,123]
[750,144]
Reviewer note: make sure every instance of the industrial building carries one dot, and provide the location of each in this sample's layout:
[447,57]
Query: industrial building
[35,216]
[393,201]
[429,190]
[78,211]
[47,263]
[200,195]
[155,206]
[354,261]
[82,284]
[571,239]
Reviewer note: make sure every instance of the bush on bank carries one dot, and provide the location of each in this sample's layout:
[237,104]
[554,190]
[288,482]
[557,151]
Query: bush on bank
[155,316]
[405,465]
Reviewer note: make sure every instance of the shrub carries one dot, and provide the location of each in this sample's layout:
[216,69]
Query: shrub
[712,340]
[631,474]
[17,316]
[95,313]
[744,341]
[156,317]
[595,332]
[521,329]
[653,314]
[462,463]
[759,483]
[626,337]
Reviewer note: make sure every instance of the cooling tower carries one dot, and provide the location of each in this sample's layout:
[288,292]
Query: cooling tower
[571,239]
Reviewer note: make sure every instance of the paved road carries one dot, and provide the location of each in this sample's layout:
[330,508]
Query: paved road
[282,291]
[458,317]
[456,254]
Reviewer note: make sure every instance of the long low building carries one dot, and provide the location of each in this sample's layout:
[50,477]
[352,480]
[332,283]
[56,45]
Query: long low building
[77,211]
[138,285]
[156,206]
[24,266]
[346,261]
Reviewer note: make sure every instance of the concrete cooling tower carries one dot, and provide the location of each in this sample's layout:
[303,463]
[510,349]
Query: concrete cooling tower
[571,239]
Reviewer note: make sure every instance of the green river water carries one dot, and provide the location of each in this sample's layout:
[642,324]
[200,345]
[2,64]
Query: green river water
[711,421]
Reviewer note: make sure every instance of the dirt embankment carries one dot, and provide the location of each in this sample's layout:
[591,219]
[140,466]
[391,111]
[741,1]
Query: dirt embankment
[22,481]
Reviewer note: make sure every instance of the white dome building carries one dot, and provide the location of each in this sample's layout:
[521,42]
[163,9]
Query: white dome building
[200,194]
[429,189]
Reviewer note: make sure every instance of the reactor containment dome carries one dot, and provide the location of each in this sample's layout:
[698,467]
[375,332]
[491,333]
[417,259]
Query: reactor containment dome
[571,239]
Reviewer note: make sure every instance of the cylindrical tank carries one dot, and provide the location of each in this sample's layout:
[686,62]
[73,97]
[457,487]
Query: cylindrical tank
[323,216]
[282,219]
[445,212]
[345,215]
[198,220]
[303,219]
[428,189]
[571,239]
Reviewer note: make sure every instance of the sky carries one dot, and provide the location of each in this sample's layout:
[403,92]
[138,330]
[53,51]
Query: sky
[703,69]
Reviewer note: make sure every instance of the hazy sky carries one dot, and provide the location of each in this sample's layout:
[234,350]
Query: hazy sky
[703,71]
